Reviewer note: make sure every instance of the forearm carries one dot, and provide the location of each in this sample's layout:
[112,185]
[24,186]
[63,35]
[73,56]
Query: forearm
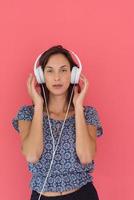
[33,143]
[85,145]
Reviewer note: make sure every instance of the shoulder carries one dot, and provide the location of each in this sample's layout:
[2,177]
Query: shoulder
[24,112]
[26,107]
[90,112]
[93,118]
[88,109]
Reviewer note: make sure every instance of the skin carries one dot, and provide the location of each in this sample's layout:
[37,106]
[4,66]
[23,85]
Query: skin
[57,75]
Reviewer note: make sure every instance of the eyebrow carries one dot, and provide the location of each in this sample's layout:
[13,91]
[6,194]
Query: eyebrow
[60,67]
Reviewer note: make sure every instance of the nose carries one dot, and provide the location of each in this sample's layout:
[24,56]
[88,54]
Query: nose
[56,77]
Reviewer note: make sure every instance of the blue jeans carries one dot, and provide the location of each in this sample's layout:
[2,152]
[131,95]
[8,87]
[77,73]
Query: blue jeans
[86,192]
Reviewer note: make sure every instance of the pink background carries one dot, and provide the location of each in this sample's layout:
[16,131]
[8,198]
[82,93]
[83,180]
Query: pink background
[102,34]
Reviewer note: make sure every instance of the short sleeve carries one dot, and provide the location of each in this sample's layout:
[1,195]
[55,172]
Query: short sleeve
[92,117]
[25,112]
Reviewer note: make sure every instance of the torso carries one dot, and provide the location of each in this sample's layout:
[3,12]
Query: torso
[60,117]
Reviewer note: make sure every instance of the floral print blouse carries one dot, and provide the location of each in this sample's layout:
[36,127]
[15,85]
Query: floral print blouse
[67,172]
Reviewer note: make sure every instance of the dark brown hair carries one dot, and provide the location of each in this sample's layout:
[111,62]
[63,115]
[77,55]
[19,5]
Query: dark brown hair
[43,61]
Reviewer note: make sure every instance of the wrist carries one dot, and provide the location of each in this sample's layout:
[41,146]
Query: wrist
[38,107]
[78,106]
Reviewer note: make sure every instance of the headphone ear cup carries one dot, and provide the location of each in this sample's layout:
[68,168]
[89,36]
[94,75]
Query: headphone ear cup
[39,75]
[75,74]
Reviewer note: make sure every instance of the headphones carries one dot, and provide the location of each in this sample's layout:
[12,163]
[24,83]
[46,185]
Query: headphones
[75,73]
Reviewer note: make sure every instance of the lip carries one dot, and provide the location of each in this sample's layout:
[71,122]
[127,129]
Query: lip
[57,85]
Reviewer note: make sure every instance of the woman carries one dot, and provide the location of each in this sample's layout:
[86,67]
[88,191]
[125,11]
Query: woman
[70,176]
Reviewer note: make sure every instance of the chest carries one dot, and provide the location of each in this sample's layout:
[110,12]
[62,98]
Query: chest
[67,139]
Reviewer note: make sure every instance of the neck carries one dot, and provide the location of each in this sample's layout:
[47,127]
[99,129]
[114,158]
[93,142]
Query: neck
[57,104]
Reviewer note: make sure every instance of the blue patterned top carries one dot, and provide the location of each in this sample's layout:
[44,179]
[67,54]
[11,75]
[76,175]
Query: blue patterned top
[67,172]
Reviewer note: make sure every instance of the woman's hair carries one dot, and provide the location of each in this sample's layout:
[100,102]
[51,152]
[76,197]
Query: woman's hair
[43,61]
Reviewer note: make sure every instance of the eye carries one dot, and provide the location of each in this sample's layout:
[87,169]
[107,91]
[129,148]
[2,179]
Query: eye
[49,71]
[64,70]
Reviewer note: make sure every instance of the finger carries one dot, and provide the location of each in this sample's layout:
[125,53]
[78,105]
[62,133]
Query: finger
[82,75]
[36,83]
[85,84]
[29,82]
[33,85]
[81,78]
[29,79]
[84,79]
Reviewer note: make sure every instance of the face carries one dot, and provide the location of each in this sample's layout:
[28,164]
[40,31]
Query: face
[57,71]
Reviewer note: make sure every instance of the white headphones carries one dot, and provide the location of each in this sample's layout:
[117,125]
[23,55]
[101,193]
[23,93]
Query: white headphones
[75,73]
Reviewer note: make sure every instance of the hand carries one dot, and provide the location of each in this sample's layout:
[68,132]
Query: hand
[79,97]
[34,94]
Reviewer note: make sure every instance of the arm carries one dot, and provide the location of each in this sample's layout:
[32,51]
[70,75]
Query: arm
[85,137]
[32,136]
